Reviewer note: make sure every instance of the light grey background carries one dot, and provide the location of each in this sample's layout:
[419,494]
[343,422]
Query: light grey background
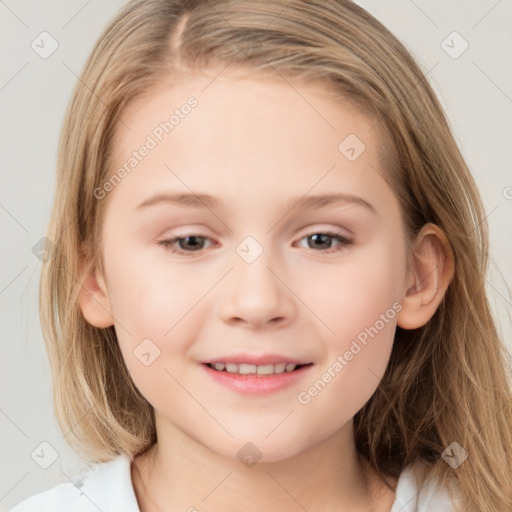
[475,89]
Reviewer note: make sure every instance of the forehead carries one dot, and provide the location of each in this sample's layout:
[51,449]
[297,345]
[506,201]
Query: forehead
[259,104]
[226,131]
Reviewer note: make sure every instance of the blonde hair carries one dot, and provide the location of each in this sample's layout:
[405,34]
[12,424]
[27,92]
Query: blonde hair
[445,382]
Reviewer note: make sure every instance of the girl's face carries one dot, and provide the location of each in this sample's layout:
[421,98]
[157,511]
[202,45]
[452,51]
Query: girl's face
[263,270]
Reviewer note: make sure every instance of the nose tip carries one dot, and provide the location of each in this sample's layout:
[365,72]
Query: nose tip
[255,295]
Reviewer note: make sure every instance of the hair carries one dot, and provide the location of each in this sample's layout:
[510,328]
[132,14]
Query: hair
[446,381]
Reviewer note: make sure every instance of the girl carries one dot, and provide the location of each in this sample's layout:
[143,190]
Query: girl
[209,353]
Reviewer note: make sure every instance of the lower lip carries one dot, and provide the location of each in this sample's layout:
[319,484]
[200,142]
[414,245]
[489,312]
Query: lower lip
[256,384]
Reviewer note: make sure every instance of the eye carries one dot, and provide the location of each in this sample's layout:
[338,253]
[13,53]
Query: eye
[195,242]
[190,244]
[320,240]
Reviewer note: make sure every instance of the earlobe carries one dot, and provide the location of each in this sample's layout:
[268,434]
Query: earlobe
[94,301]
[428,279]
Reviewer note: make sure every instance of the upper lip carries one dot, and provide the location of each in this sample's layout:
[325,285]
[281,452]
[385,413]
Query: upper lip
[255,359]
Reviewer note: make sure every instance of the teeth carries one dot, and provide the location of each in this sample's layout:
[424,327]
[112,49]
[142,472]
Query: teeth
[279,368]
[231,367]
[251,369]
[266,369]
[246,369]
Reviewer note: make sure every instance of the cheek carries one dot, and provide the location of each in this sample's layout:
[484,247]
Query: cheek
[154,325]
[352,296]
[360,310]
[149,297]
[151,320]
[354,361]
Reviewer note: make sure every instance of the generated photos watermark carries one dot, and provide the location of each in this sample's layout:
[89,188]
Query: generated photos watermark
[156,136]
[342,360]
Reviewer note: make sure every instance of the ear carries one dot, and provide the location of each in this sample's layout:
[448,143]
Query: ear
[93,299]
[432,269]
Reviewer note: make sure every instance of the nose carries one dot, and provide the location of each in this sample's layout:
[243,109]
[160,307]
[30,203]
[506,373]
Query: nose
[256,294]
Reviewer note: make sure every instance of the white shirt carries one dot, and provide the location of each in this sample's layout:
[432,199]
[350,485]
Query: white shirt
[107,487]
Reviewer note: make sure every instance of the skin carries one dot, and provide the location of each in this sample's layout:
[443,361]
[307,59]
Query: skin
[257,146]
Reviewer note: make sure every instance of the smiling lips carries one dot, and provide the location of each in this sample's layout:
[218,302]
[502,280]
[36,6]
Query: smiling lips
[253,369]
[245,364]
[251,378]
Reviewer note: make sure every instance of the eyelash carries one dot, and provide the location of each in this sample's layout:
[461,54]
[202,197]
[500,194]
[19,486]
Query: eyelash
[168,244]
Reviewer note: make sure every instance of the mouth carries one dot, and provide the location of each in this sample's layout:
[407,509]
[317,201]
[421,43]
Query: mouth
[256,375]
[253,369]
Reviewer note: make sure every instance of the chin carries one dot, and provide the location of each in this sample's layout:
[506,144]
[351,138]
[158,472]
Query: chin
[255,449]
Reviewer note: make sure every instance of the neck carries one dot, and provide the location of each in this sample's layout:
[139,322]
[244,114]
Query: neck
[178,473]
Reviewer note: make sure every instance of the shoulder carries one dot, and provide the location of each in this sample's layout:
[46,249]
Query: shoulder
[106,486]
[429,498]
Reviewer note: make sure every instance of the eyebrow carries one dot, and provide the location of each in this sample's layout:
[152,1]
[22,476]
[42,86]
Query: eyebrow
[210,202]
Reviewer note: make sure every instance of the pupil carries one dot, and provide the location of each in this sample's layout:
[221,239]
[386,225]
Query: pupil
[320,236]
[194,244]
